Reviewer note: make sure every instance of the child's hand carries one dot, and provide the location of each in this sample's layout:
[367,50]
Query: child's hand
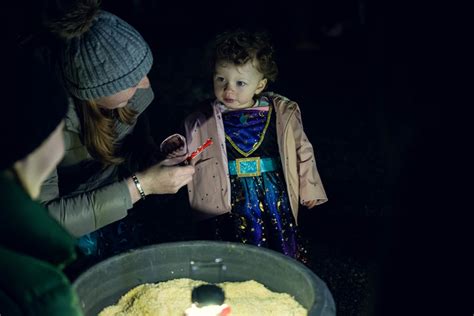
[310,204]
[174,146]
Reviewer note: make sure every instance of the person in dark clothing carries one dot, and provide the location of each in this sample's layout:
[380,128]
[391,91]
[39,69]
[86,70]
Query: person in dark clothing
[34,248]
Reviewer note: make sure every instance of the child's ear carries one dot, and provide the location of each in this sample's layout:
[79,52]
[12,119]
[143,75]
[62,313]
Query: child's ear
[261,85]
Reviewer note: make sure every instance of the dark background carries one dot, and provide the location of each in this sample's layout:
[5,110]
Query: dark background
[367,78]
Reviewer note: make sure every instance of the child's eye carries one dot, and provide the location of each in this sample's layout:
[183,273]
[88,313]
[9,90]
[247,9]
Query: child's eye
[241,84]
[220,79]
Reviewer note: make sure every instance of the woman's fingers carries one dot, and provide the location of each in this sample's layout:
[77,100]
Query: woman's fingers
[162,179]
[178,177]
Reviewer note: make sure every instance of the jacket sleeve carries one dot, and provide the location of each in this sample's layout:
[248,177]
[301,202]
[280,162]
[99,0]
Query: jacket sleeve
[311,187]
[88,211]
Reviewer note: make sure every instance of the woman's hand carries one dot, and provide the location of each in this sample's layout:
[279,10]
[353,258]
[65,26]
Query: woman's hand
[161,179]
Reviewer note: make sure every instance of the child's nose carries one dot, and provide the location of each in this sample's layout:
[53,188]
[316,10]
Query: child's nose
[228,87]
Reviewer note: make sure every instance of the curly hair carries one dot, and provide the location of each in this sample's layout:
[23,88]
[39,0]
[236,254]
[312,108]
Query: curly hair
[240,47]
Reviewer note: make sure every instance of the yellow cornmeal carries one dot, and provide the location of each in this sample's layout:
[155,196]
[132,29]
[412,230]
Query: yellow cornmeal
[173,297]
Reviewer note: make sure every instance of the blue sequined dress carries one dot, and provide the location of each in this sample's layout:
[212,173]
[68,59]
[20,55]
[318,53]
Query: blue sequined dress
[261,213]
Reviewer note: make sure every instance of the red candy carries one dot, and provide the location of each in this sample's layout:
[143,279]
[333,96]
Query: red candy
[199,150]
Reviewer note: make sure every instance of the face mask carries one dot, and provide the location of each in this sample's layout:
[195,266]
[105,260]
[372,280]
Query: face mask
[139,102]
[141,99]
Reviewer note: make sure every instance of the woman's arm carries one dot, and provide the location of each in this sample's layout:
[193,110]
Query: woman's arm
[86,212]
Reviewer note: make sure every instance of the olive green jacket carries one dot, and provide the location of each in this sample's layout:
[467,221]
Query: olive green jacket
[33,250]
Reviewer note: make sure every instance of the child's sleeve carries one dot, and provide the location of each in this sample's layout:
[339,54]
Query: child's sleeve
[311,187]
[174,148]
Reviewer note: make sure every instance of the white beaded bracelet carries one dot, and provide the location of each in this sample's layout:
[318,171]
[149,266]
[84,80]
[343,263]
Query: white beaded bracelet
[139,186]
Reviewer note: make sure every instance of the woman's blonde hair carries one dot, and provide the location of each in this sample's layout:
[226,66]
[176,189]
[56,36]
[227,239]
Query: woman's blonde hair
[99,132]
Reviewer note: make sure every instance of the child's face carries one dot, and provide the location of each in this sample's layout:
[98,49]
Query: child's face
[235,86]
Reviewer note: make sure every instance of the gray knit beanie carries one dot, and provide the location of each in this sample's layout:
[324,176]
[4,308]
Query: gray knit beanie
[109,57]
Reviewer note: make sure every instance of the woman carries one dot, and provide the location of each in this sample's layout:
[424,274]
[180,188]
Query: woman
[104,64]
[34,248]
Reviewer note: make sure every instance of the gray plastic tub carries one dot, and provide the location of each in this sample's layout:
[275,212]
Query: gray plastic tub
[103,284]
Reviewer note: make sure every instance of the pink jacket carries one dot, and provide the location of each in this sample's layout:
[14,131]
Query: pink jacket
[209,191]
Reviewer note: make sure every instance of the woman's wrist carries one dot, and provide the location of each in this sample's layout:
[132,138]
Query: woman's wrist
[133,190]
[139,186]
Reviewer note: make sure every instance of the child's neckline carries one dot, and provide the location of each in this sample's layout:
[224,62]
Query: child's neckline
[259,108]
[255,107]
